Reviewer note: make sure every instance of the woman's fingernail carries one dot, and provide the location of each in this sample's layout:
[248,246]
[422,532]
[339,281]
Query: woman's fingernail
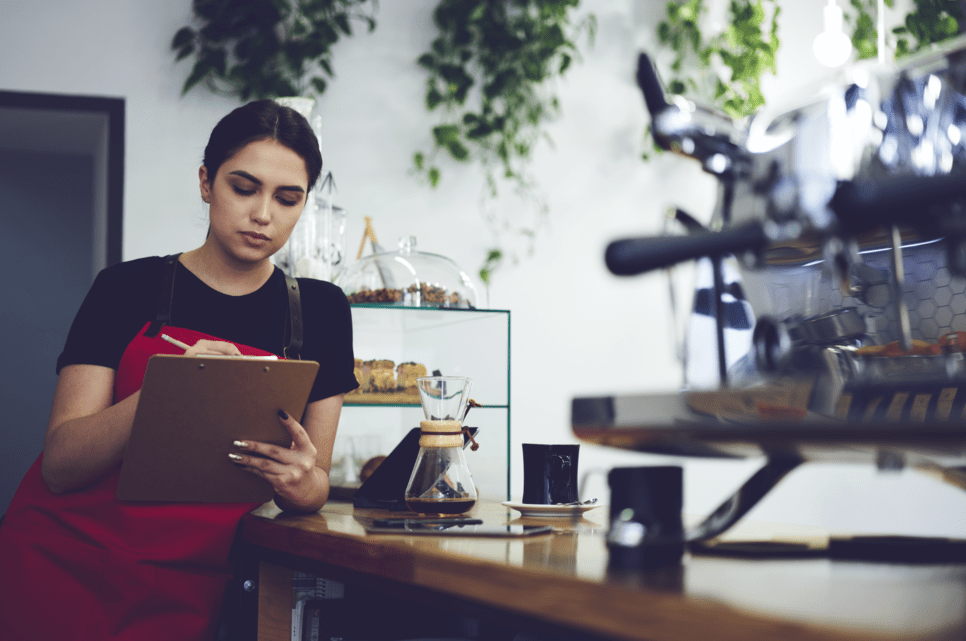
[235,457]
[282,415]
[241,444]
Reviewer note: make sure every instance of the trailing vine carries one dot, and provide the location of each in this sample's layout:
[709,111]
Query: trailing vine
[258,49]
[746,47]
[739,55]
[930,22]
[489,73]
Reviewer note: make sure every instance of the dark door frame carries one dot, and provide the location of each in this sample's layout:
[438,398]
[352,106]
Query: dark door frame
[113,109]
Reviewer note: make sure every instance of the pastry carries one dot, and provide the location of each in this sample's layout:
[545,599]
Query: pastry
[382,380]
[383,364]
[406,375]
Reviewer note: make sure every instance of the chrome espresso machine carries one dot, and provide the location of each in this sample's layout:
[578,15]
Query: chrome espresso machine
[837,287]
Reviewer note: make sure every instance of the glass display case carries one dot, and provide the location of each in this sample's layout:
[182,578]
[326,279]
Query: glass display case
[393,344]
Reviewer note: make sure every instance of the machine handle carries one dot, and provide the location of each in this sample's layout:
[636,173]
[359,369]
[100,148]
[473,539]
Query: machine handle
[650,84]
[899,200]
[632,256]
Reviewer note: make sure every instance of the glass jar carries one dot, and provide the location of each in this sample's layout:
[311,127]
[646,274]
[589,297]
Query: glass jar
[408,278]
[441,482]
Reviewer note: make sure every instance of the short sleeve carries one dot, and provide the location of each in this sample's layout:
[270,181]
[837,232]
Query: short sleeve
[114,310]
[327,319]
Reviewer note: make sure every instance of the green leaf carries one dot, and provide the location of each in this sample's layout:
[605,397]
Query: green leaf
[445,134]
[184,36]
[433,98]
[457,150]
[198,72]
[319,85]
[433,176]
[342,21]
[186,51]
[418,159]
[565,61]
[480,131]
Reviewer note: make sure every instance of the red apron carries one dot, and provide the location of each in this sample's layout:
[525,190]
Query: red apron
[86,566]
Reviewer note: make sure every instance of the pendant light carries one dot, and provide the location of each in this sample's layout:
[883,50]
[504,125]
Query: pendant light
[832,46]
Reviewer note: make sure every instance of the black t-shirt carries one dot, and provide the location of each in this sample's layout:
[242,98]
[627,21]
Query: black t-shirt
[125,296]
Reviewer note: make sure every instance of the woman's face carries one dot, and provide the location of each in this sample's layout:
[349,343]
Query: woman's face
[255,200]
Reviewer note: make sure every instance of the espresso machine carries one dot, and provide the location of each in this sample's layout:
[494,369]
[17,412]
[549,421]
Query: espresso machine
[836,281]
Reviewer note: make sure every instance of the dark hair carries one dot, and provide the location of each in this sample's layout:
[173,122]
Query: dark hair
[263,120]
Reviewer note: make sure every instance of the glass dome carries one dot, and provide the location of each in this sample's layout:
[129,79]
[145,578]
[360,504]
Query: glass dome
[408,278]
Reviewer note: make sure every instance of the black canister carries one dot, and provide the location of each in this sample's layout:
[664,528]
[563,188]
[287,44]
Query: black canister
[646,529]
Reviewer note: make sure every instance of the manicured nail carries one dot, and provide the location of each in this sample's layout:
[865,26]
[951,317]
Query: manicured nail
[282,415]
[235,457]
[241,444]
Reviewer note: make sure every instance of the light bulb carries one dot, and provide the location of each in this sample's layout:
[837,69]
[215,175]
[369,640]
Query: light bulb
[832,47]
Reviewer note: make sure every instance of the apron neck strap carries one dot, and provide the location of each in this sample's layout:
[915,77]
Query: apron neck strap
[291,351]
[167,295]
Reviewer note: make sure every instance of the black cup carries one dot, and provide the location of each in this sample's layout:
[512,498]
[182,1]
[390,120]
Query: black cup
[549,473]
[646,530]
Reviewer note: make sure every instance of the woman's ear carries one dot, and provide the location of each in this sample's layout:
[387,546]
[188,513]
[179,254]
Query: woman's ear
[205,185]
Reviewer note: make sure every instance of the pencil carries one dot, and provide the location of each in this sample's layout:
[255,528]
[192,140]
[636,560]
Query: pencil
[175,342]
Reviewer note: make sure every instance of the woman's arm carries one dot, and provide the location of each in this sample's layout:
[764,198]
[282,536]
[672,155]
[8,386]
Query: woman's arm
[300,473]
[86,434]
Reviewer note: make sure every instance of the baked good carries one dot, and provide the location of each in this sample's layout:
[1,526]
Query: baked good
[383,364]
[406,375]
[382,380]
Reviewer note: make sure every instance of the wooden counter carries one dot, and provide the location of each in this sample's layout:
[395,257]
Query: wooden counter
[559,583]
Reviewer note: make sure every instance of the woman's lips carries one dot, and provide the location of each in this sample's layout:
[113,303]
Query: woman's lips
[254,238]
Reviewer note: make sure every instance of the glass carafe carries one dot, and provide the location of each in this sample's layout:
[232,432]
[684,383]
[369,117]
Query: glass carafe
[441,482]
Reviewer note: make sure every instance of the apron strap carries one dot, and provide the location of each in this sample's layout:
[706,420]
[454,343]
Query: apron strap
[167,295]
[291,351]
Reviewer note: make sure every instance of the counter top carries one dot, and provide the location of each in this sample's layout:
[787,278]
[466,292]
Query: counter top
[562,579]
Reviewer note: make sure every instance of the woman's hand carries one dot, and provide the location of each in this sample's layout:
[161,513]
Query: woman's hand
[300,485]
[212,348]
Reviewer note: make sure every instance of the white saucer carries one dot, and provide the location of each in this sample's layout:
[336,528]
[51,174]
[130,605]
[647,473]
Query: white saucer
[536,509]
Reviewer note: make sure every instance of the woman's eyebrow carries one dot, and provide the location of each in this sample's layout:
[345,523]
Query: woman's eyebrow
[248,176]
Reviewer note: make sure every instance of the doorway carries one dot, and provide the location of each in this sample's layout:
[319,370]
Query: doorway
[61,198]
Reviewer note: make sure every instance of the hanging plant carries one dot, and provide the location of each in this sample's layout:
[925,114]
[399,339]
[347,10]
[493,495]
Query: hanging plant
[490,71]
[740,55]
[929,22]
[737,57]
[257,49]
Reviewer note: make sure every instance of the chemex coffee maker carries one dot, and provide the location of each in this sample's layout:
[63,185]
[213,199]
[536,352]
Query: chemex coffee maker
[834,281]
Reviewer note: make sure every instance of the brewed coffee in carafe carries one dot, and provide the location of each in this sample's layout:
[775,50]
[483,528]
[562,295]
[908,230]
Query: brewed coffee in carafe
[441,482]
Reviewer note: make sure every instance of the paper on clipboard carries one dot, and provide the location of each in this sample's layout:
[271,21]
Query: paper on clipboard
[190,411]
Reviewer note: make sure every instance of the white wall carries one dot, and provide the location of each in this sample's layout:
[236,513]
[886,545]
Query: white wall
[576,329]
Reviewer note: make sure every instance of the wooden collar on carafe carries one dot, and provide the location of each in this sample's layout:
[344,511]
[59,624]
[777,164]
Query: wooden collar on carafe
[444,434]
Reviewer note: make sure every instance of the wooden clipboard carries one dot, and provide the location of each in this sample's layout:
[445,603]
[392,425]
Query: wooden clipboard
[191,410]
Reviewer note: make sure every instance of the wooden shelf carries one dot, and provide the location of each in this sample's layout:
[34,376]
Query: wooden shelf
[382,398]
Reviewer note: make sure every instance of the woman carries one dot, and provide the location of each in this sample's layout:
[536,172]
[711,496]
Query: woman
[75,562]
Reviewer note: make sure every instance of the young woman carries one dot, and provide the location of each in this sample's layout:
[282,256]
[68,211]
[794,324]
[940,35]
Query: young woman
[74,561]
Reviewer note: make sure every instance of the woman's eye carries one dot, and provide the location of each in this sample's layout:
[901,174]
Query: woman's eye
[241,191]
[288,202]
